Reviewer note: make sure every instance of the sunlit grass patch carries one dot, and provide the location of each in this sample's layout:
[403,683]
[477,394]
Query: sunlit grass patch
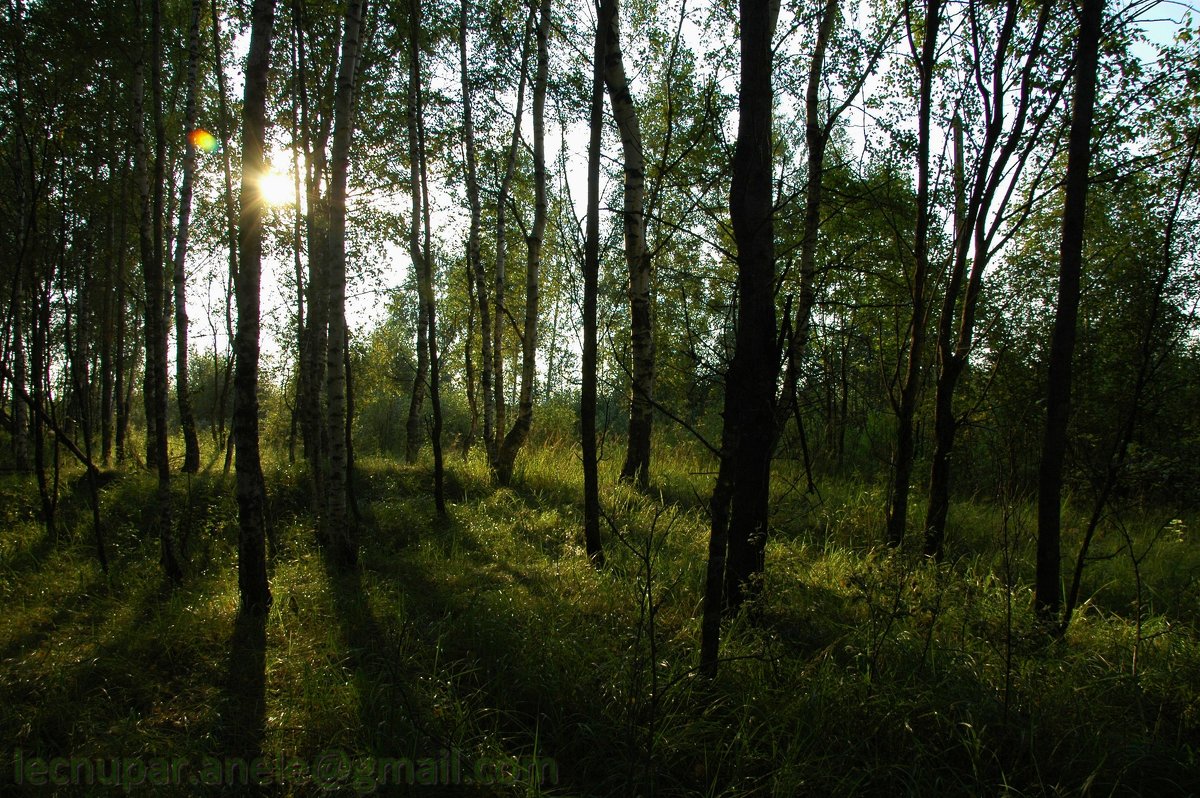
[858,670]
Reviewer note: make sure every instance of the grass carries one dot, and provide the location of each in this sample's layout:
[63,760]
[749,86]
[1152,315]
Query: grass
[486,641]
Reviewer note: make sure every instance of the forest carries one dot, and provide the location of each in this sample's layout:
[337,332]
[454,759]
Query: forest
[509,397]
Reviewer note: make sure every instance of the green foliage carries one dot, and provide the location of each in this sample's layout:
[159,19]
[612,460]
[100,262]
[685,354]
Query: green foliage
[858,671]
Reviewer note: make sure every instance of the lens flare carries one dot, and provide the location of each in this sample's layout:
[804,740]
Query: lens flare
[201,139]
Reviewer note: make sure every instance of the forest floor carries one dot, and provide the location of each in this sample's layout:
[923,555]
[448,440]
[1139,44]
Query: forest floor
[482,655]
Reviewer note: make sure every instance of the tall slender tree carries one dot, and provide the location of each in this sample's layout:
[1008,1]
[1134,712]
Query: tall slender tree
[339,529]
[422,254]
[151,246]
[515,439]
[502,198]
[230,205]
[252,562]
[1047,588]
[739,504]
[637,256]
[187,419]
[906,403]
[421,376]
[474,258]
[980,203]
[591,277]
[315,85]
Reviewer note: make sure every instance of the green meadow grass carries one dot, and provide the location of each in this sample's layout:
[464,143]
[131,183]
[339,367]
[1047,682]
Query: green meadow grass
[484,644]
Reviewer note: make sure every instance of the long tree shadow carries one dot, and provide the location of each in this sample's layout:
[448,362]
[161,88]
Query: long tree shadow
[241,725]
[395,722]
[498,665]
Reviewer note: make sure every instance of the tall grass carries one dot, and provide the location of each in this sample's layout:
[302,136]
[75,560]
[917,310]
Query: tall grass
[859,671]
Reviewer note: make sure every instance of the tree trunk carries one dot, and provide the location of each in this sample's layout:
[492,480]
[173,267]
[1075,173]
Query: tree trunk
[252,563]
[816,136]
[906,407]
[502,246]
[27,217]
[145,233]
[739,506]
[424,254]
[191,457]
[151,238]
[314,344]
[469,362]
[81,389]
[519,433]
[39,322]
[231,229]
[157,305]
[416,399]
[950,366]
[110,352]
[339,529]
[412,427]
[20,420]
[591,279]
[298,272]
[637,257]
[474,261]
[1047,589]
[754,373]
[121,381]
[972,226]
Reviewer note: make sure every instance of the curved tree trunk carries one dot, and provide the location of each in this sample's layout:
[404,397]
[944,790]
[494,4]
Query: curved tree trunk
[972,228]
[502,245]
[906,407]
[739,506]
[519,433]
[950,366]
[637,257]
[474,261]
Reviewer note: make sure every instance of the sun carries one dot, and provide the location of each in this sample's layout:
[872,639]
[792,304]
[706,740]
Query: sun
[277,187]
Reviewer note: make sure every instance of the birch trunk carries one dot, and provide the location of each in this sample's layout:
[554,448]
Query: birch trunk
[502,247]
[515,439]
[339,531]
[474,260]
[637,258]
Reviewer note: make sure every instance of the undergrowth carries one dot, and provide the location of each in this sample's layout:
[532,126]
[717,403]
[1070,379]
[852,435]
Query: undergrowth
[485,645]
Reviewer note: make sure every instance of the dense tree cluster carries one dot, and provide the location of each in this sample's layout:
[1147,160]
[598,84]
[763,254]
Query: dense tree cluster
[946,247]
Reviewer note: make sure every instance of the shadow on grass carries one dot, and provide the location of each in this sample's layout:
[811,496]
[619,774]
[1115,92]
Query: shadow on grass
[242,717]
[396,719]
